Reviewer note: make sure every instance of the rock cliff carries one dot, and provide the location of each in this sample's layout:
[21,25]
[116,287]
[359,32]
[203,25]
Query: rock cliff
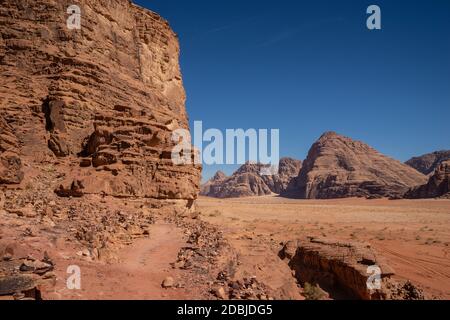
[99,104]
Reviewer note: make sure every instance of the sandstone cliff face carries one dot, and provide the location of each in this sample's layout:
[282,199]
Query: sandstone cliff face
[339,167]
[288,169]
[101,102]
[248,181]
[428,163]
[437,186]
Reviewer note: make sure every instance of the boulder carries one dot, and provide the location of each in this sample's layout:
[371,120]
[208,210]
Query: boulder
[341,268]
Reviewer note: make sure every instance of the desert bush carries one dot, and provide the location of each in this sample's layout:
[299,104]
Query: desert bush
[312,292]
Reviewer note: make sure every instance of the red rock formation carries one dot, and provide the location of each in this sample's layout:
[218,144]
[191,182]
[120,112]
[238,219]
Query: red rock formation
[218,178]
[249,180]
[428,163]
[437,186]
[341,269]
[339,167]
[99,103]
[10,162]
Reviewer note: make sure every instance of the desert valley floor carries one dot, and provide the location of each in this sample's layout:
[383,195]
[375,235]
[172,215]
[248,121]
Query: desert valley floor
[414,235]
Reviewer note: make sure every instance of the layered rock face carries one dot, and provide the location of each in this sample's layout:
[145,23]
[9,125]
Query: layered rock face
[437,186]
[249,180]
[339,167]
[428,163]
[101,102]
[343,270]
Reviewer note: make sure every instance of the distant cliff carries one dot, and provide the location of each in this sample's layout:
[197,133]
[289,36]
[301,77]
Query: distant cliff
[428,163]
[248,181]
[339,167]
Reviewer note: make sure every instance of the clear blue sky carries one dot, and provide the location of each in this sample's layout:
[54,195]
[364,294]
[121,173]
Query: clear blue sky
[307,67]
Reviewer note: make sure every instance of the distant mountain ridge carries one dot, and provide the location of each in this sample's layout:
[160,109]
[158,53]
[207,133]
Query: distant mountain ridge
[248,181]
[429,162]
[339,167]
[437,187]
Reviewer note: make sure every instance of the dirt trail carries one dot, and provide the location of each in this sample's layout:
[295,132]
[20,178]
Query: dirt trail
[139,274]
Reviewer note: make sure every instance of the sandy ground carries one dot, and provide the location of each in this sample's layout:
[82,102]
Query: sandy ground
[414,236]
[137,275]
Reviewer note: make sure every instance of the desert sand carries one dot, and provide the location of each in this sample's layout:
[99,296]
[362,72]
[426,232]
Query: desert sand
[414,236]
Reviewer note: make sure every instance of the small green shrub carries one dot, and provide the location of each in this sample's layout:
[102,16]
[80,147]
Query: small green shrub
[312,292]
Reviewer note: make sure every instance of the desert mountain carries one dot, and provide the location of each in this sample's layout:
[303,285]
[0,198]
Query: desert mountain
[248,181]
[339,167]
[437,186]
[428,163]
[97,104]
[218,178]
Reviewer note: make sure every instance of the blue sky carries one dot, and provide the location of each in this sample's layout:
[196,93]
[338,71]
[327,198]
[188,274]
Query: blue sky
[306,67]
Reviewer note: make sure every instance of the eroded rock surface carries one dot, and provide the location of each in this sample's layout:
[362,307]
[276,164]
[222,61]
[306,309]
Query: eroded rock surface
[428,163]
[339,167]
[252,179]
[437,186]
[100,103]
[86,127]
[341,269]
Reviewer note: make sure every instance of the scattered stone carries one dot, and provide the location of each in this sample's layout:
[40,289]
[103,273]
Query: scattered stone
[38,267]
[168,282]
[7,257]
[74,190]
[220,293]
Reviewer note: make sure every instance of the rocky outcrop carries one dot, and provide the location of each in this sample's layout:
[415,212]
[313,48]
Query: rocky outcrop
[100,104]
[21,278]
[343,270]
[437,186]
[252,179]
[218,178]
[428,163]
[339,167]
